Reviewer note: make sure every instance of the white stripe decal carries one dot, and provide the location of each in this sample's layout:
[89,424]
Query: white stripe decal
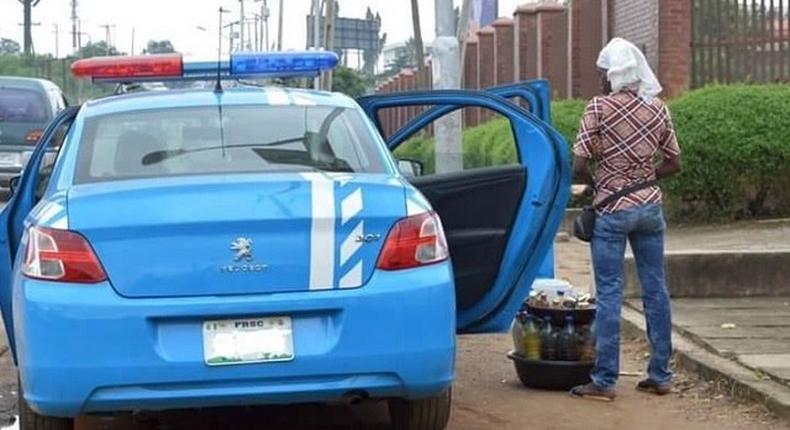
[277,96]
[322,232]
[351,205]
[350,244]
[353,278]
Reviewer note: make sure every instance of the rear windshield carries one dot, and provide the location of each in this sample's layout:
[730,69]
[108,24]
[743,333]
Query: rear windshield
[203,140]
[21,105]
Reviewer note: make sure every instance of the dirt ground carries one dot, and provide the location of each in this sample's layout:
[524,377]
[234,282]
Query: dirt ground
[489,396]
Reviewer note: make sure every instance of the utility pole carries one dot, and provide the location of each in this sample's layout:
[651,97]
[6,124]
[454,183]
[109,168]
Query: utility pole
[265,23]
[463,31]
[316,38]
[280,28]
[30,26]
[107,28]
[27,23]
[132,51]
[329,39]
[419,55]
[241,25]
[446,68]
[75,45]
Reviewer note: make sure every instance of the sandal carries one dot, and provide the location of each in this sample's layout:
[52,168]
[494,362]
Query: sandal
[592,392]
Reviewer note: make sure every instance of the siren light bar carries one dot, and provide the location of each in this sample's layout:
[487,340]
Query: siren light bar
[162,67]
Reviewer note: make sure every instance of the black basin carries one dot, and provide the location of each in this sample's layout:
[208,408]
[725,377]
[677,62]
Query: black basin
[551,375]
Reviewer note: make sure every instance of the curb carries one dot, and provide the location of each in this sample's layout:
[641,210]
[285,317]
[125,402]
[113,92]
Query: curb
[740,381]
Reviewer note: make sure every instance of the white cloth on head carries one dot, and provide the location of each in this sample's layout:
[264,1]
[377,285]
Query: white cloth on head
[626,67]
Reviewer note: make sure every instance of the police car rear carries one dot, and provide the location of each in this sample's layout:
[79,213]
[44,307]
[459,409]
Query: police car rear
[215,248]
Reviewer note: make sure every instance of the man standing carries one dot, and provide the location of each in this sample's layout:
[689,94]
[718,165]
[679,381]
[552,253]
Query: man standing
[624,133]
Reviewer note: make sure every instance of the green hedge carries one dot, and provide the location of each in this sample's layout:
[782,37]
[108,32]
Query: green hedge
[735,142]
[736,153]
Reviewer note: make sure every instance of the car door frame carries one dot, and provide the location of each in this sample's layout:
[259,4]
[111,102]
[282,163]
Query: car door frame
[13,215]
[545,156]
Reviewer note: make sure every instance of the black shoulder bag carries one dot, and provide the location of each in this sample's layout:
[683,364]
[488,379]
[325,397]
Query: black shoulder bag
[585,223]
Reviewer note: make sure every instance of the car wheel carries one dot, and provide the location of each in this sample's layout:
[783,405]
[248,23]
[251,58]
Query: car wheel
[30,420]
[432,413]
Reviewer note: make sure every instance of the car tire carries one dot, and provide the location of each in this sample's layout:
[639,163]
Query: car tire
[30,420]
[431,413]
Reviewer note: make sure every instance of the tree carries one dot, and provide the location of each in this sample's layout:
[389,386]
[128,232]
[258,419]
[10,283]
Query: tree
[350,82]
[159,47]
[9,47]
[98,49]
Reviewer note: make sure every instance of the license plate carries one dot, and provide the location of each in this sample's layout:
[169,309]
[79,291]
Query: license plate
[9,158]
[250,340]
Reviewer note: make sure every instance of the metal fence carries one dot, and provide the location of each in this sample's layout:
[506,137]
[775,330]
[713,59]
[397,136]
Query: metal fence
[740,41]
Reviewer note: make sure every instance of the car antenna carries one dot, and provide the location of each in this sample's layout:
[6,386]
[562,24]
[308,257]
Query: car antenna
[218,86]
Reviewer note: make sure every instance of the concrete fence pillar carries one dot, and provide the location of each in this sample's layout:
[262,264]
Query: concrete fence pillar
[471,117]
[526,42]
[588,38]
[486,76]
[553,61]
[504,29]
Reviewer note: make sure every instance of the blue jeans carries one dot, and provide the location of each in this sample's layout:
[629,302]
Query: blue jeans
[643,226]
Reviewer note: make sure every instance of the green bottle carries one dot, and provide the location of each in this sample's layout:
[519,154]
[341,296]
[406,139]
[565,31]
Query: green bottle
[531,338]
[548,341]
[568,342]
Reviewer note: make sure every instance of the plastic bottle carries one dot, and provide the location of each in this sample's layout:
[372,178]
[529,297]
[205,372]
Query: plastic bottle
[548,341]
[531,338]
[517,331]
[587,344]
[568,342]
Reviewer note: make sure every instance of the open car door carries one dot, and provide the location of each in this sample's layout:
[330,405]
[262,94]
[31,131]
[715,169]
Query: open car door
[12,216]
[500,221]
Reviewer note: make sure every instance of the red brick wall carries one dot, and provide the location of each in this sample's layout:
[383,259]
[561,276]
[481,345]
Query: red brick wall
[553,33]
[470,79]
[486,76]
[504,50]
[588,36]
[674,48]
[526,40]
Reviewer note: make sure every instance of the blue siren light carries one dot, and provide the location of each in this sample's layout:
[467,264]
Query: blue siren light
[282,63]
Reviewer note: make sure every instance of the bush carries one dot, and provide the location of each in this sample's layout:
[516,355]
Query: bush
[736,153]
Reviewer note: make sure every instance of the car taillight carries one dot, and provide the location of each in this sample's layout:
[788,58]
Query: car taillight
[33,136]
[61,255]
[414,241]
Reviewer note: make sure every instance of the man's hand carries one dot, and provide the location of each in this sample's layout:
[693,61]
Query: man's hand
[580,190]
[668,167]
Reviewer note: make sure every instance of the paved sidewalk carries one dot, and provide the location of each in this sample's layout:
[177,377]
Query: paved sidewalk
[754,332]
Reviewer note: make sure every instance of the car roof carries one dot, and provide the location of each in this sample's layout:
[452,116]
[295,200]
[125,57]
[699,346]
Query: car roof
[273,96]
[28,83]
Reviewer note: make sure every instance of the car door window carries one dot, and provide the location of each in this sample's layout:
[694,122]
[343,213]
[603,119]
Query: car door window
[486,145]
[48,162]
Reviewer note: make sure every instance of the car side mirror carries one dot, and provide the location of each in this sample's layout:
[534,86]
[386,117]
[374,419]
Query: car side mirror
[13,183]
[410,168]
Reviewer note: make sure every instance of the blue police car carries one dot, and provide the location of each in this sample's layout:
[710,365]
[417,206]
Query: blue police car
[217,247]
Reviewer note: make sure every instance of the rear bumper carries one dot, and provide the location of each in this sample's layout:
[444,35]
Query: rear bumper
[84,349]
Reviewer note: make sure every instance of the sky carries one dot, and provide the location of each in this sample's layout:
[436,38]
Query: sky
[191,25]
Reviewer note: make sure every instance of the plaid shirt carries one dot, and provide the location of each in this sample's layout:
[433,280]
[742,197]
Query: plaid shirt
[624,134]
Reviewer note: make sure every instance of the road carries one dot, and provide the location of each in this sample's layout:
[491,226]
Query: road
[487,396]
